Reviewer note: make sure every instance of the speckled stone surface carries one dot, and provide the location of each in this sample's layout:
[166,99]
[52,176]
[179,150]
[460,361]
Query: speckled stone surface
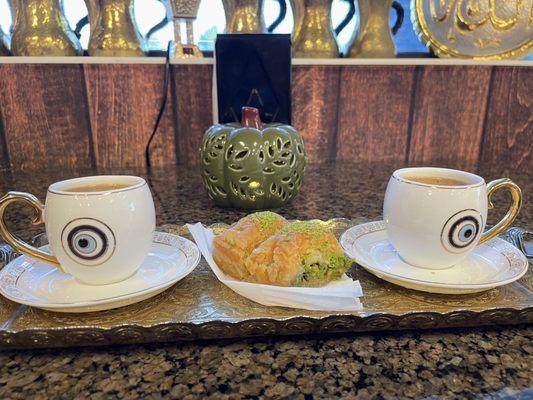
[475,363]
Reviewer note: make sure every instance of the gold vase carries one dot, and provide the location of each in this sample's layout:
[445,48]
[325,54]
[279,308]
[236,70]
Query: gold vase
[313,33]
[186,10]
[244,16]
[374,39]
[114,32]
[41,29]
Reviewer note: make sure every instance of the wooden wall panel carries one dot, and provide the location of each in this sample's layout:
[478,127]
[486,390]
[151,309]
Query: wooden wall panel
[4,155]
[124,101]
[449,109]
[192,93]
[315,95]
[79,116]
[43,111]
[508,135]
[374,108]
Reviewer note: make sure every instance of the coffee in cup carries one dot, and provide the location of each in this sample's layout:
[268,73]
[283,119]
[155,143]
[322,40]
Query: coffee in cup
[436,216]
[437,180]
[99,228]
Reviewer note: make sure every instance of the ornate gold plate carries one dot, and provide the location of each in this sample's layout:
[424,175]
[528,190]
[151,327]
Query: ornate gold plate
[478,29]
[200,307]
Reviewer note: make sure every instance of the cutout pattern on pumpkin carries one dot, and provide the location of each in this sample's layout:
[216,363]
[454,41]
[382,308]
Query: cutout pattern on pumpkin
[252,168]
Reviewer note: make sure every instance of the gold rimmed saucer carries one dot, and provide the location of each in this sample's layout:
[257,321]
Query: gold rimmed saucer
[38,284]
[492,264]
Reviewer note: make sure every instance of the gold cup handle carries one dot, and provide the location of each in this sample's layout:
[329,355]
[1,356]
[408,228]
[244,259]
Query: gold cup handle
[16,243]
[508,219]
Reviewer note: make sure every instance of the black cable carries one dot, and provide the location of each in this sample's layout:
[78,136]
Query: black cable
[161,108]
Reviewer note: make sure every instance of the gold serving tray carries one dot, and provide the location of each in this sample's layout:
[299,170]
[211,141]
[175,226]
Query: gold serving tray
[200,307]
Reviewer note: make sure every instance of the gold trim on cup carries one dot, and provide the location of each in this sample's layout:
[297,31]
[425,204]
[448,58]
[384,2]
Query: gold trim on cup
[512,212]
[430,185]
[37,219]
[141,182]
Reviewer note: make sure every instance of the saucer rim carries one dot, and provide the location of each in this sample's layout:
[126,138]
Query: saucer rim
[94,303]
[361,260]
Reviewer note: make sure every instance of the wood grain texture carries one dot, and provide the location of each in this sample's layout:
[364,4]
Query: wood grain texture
[124,101]
[449,109]
[508,135]
[4,155]
[44,116]
[315,94]
[374,108]
[192,90]
[79,116]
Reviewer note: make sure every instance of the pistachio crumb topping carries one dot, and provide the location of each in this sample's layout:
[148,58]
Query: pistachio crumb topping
[310,228]
[265,219]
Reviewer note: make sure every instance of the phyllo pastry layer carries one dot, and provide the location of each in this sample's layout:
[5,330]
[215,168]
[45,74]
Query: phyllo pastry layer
[233,246]
[300,254]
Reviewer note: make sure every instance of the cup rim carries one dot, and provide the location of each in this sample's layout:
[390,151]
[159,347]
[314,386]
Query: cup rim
[131,182]
[475,180]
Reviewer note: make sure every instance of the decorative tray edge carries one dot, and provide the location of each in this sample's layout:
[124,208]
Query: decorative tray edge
[260,327]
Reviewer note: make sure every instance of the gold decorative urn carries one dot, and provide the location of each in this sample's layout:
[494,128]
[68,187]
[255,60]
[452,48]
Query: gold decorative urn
[374,38]
[313,35]
[188,11]
[244,16]
[114,32]
[41,29]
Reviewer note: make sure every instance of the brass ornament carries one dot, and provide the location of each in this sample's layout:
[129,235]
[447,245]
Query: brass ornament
[41,29]
[114,32]
[313,35]
[250,166]
[185,8]
[374,39]
[201,307]
[244,16]
[188,11]
[476,29]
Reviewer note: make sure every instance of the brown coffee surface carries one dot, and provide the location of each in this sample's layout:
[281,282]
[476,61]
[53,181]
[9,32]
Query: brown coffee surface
[437,180]
[96,187]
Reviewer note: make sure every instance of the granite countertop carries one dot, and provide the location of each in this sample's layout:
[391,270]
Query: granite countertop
[492,362]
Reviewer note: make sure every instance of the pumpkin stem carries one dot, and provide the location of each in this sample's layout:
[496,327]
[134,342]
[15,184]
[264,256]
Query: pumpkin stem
[250,118]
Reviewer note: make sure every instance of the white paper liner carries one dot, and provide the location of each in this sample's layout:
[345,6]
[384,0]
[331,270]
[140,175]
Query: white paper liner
[340,295]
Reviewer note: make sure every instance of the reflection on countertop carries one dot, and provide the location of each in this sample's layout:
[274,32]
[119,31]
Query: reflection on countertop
[330,190]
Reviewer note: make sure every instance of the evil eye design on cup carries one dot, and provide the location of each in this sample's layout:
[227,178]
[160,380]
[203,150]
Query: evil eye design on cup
[461,231]
[88,241]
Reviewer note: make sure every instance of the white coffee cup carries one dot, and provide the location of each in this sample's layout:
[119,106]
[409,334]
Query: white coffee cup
[99,228]
[436,225]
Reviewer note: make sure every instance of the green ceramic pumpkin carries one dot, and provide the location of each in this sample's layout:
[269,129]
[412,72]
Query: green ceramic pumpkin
[252,166]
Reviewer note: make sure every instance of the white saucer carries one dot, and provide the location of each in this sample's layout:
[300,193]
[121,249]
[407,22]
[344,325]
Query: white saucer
[490,265]
[38,284]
